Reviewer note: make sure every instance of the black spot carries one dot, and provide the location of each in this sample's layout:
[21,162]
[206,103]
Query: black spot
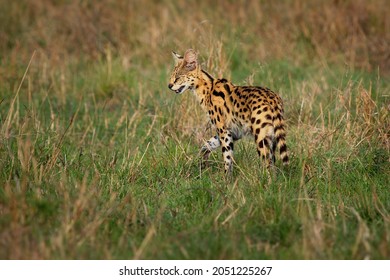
[265,124]
[224,149]
[258,121]
[261,144]
[268,117]
[231,145]
[280,136]
[228,157]
[218,93]
[257,131]
[283,148]
[227,88]
[278,127]
[253,120]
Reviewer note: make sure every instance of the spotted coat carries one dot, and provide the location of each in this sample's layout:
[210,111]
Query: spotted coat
[234,111]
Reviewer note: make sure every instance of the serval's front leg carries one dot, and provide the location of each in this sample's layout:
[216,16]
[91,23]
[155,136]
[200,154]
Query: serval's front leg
[226,140]
[212,144]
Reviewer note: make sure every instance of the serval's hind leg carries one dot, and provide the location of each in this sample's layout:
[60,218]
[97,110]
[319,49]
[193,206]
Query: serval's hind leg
[266,146]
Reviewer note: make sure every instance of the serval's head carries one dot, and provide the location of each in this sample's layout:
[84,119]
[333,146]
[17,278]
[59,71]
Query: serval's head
[185,73]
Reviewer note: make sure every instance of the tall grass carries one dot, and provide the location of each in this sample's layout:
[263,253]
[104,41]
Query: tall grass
[98,160]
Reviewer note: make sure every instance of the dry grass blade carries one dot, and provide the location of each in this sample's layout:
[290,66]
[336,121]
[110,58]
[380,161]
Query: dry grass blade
[10,115]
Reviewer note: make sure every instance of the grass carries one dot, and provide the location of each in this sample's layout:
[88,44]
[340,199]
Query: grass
[98,160]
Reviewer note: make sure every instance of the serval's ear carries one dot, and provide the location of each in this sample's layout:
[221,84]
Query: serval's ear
[177,57]
[191,59]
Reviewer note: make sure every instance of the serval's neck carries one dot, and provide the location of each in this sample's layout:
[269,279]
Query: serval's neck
[204,87]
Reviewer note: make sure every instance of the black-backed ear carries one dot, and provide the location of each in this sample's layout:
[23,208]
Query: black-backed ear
[191,59]
[177,57]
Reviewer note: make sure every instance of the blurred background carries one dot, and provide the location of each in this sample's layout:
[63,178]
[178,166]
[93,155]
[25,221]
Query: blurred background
[352,32]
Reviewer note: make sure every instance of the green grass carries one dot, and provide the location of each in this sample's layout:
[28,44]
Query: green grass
[101,161]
